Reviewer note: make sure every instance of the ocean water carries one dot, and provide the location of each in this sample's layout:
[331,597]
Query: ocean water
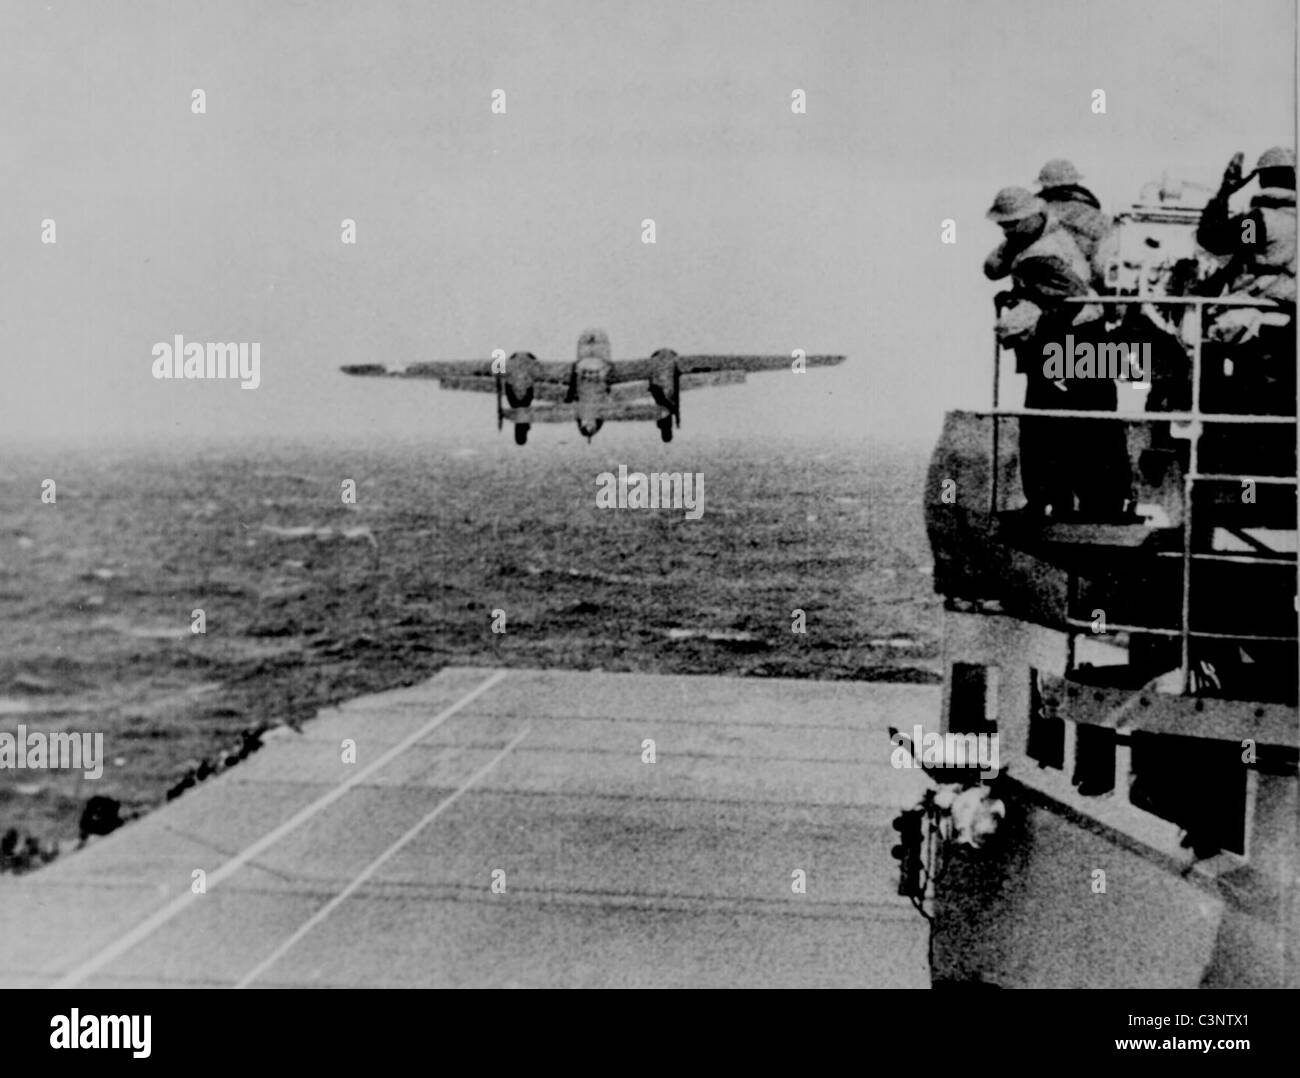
[307,599]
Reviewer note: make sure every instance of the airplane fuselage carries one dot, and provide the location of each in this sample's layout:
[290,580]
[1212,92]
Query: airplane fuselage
[589,387]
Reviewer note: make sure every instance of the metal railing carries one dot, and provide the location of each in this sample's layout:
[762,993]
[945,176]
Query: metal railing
[1195,419]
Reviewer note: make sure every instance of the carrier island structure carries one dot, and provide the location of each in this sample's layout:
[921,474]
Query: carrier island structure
[1140,675]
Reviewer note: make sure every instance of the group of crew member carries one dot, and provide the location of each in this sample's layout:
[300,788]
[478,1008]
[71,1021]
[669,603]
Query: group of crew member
[1057,246]
[1054,248]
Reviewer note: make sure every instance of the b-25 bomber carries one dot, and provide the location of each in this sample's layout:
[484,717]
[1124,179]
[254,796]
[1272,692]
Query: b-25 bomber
[593,388]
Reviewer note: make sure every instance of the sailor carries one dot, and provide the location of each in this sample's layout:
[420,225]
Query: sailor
[1059,458]
[1264,255]
[1037,252]
[1253,366]
[1249,359]
[1079,210]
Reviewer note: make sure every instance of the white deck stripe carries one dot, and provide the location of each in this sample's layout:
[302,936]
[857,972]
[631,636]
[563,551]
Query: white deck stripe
[371,868]
[151,924]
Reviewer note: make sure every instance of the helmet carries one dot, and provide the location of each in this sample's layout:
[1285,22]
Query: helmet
[1014,204]
[1277,157]
[1058,172]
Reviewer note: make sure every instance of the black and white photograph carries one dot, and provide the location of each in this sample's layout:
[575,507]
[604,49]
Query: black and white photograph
[608,495]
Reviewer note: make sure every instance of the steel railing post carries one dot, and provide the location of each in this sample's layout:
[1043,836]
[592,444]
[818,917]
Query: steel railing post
[995,466]
[1189,485]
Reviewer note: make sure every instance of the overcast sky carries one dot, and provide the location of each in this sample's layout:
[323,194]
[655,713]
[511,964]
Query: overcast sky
[477,231]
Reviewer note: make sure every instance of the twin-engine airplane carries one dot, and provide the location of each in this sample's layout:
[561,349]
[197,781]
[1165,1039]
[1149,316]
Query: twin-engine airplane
[593,388]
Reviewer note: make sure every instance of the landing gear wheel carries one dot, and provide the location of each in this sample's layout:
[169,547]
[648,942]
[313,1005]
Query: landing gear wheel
[665,426]
[521,433]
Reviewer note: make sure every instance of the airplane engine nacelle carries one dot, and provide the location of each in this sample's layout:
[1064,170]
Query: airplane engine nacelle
[663,373]
[520,378]
[665,382]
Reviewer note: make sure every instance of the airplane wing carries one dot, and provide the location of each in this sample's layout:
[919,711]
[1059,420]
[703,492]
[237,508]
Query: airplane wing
[640,413]
[622,411]
[542,391]
[550,413]
[631,391]
[634,370]
[470,374]
[712,378]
